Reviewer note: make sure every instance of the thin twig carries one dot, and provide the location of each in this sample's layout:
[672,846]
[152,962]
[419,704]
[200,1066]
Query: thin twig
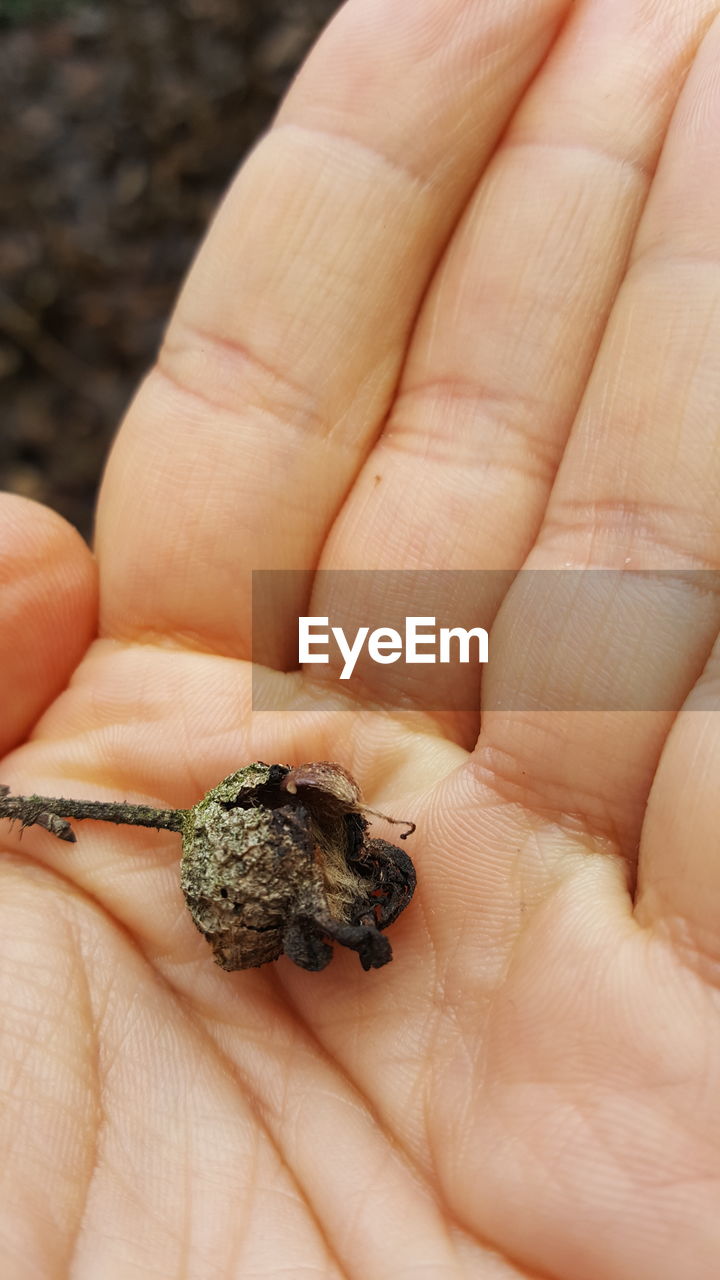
[50,811]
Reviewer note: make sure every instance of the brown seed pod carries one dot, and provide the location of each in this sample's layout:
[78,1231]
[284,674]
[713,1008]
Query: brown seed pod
[277,860]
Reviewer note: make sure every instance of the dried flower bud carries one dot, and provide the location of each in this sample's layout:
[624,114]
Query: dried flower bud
[277,860]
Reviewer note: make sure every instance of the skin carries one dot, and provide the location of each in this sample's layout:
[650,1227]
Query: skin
[460,308]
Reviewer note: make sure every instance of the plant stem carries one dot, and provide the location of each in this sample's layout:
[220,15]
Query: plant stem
[49,812]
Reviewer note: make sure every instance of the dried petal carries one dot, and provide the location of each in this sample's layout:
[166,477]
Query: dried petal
[327,777]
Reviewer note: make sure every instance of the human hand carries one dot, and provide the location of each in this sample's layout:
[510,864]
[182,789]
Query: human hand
[529,1089]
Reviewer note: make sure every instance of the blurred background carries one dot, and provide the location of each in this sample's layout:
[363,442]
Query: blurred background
[123,122]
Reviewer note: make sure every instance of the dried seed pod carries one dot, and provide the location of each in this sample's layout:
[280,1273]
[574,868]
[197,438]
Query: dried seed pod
[277,860]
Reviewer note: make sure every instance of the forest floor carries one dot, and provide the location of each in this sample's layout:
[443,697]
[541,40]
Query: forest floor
[127,120]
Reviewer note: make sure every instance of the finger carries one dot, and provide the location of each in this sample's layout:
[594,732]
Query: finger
[678,870]
[462,471]
[289,335]
[48,614]
[637,490]
[461,474]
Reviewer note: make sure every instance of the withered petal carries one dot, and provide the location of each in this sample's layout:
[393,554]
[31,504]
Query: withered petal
[326,776]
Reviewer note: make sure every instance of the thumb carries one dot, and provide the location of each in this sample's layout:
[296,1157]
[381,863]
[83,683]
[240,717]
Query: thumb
[48,611]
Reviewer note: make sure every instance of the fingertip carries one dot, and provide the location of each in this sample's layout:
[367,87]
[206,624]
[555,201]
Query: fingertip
[48,610]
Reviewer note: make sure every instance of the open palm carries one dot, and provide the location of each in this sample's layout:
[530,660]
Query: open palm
[457,311]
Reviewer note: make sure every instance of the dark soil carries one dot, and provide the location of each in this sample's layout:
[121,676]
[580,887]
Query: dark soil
[127,119]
